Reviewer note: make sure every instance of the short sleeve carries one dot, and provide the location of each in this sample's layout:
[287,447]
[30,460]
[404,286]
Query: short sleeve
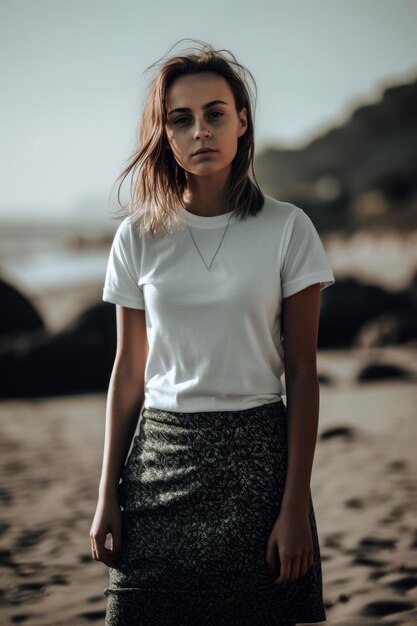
[304,261]
[121,284]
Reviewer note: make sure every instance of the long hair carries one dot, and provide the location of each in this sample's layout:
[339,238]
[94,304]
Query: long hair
[158,181]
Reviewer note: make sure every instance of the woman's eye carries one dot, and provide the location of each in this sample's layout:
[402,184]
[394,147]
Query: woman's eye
[215,114]
[181,120]
[184,119]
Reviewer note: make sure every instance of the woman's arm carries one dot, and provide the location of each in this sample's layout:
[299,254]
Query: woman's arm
[291,533]
[125,395]
[301,314]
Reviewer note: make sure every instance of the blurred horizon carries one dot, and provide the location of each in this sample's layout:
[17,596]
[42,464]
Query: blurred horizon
[74,83]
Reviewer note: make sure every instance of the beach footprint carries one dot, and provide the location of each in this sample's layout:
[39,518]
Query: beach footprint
[374,544]
[29,538]
[404,584]
[354,503]
[20,618]
[394,515]
[333,540]
[385,608]
[93,616]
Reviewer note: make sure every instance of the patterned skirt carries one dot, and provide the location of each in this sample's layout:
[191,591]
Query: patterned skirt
[199,496]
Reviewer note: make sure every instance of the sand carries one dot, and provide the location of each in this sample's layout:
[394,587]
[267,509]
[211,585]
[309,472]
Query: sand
[363,485]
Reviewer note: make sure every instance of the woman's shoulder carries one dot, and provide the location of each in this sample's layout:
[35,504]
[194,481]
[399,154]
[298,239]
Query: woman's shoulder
[127,228]
[279,210]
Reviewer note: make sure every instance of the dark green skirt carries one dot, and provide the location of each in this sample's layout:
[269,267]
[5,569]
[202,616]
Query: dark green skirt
[200,493]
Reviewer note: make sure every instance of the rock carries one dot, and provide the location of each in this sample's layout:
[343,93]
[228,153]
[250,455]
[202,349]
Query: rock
[17,313]
[346,432]
[384,371]
[396,327]
[349,304]
[76,360]
[374,150]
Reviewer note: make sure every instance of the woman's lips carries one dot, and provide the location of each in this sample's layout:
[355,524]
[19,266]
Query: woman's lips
[204,152]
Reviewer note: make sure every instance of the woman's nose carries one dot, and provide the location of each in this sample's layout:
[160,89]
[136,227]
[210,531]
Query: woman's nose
[201,130]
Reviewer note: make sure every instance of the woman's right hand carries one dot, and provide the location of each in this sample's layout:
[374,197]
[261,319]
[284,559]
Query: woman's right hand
[107,519]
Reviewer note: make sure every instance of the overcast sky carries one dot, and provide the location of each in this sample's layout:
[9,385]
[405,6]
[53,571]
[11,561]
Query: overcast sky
[73,84]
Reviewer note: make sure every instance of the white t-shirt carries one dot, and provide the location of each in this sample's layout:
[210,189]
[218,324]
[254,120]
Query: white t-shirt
[214,336]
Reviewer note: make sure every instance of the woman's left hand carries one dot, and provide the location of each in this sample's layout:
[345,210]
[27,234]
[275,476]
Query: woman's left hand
[291,535]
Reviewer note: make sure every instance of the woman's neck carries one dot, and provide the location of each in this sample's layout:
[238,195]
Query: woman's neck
[204,195]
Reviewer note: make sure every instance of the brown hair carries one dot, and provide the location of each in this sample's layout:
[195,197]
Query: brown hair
[158,181]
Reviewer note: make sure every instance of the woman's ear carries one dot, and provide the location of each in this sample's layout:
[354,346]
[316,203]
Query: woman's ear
[243,121]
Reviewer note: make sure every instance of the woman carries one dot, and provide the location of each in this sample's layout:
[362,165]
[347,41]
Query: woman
[217,293]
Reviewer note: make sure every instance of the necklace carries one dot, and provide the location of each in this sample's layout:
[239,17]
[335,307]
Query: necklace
[218,247]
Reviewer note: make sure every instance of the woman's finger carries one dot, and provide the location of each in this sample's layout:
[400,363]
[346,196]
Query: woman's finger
[295,568]
[99,552]
[285,570]
[94,547]
[94,552]
[304,567]
[105,556]
[270,556]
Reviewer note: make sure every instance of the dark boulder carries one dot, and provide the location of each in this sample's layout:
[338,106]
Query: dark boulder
[394,328]
[17,313]
[384,371]
[349,304]
[76,360]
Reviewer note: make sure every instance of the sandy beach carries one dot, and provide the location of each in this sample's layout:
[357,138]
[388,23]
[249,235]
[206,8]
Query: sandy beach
[363,487]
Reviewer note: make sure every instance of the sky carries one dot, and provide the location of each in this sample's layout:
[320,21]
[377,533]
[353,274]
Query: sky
[73,82]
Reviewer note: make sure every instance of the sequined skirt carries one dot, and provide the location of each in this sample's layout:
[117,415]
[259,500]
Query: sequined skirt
[199,496]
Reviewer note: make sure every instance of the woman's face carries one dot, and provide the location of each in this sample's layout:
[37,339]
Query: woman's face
[201,113]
